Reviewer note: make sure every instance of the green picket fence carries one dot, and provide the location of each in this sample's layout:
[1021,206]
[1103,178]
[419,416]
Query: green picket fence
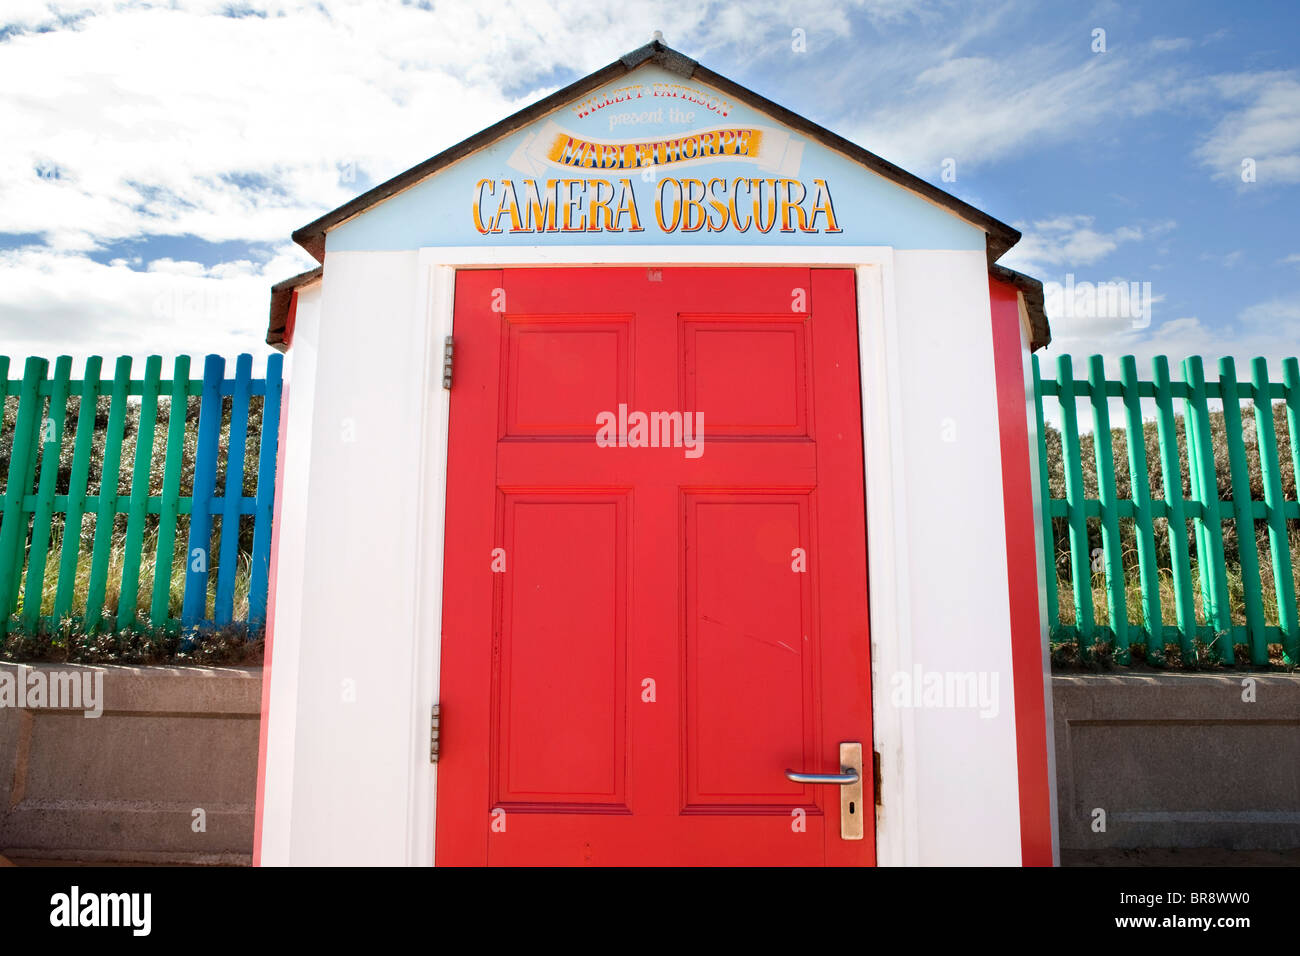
[1185,521]
[50,572]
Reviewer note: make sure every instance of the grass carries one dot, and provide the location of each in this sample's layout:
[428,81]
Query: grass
[138,641]
[1168,607]
[148,569]
[1065,652]
[230,645]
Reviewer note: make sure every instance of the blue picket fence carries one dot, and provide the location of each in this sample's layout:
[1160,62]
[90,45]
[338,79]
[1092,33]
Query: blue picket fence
[47,478]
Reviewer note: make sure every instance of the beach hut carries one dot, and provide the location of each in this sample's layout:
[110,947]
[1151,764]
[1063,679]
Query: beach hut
[657,486]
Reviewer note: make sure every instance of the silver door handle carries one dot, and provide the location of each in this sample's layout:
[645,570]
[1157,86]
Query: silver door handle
[839,779]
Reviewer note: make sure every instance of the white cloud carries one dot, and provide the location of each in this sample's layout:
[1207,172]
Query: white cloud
[65,303]
[1228,260]
[1280,317]
[1070,242]
[1270,329]
[1263,126]
[158,121]
[145,120]
[978,109]
[126,120]
[142,120]
[1267,329]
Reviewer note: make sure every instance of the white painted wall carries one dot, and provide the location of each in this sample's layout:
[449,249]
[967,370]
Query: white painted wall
[341,755]
[962,765]
[286,626]
[365,528]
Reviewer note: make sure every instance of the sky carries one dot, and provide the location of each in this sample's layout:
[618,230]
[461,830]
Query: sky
[156,156]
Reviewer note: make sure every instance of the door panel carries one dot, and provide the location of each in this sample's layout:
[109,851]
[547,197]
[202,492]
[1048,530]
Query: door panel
[561,372]
[563,658]
[747,378]
[664,632]
[749,672]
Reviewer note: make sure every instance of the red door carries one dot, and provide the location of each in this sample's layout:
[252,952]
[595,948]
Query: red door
[641,636]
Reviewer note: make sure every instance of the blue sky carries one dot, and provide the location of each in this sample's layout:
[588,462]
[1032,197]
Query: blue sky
[158,156]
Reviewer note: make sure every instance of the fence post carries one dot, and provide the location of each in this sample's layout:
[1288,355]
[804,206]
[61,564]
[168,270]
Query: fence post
[164,561]
[1247,549]
[51,441]
[133,545]
[1140,489]
[1080,567]
[199,548]
[266,466]
[1172,479]
[22,471]
[1213,566]
[1045,497]
[1112,553]
[1270,468]
[70,547]
[232,492]
[106,514]
[4,395]
[1291,378]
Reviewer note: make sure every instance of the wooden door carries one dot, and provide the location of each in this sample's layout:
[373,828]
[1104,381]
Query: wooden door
[641,636]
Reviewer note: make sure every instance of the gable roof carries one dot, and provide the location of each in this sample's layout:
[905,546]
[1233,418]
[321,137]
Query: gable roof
[1000,236]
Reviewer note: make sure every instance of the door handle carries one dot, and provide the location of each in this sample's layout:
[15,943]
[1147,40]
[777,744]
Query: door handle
[841,779]
[849,780]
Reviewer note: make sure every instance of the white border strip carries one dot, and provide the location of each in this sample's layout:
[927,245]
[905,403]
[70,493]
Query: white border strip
[887,563]
[434,303]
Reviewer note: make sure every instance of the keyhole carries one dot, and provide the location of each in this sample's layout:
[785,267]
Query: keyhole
[850,806]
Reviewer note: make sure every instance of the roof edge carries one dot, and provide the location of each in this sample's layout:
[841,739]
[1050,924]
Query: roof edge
[312,236]
[1032,291]
[1001,236]
[281,298]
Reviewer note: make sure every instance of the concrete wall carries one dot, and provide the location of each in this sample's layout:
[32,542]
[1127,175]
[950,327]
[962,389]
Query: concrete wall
[124,786]
[1178,760]
[1175,760]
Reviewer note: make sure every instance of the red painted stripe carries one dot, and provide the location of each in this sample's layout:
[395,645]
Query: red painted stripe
[274,561]
[291,320]
[1022,571]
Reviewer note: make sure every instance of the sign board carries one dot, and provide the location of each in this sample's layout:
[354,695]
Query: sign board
[654,159]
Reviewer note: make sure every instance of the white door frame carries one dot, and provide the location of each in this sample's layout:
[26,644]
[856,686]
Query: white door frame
[886,506]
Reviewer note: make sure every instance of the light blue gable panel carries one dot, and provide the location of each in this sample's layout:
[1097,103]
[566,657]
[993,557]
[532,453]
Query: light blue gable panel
[656,108]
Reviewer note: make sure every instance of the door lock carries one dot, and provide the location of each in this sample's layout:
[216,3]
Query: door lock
[849,780]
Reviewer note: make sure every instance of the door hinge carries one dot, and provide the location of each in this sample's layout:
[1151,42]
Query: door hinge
[447,349]
[435,732]
[875,775]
